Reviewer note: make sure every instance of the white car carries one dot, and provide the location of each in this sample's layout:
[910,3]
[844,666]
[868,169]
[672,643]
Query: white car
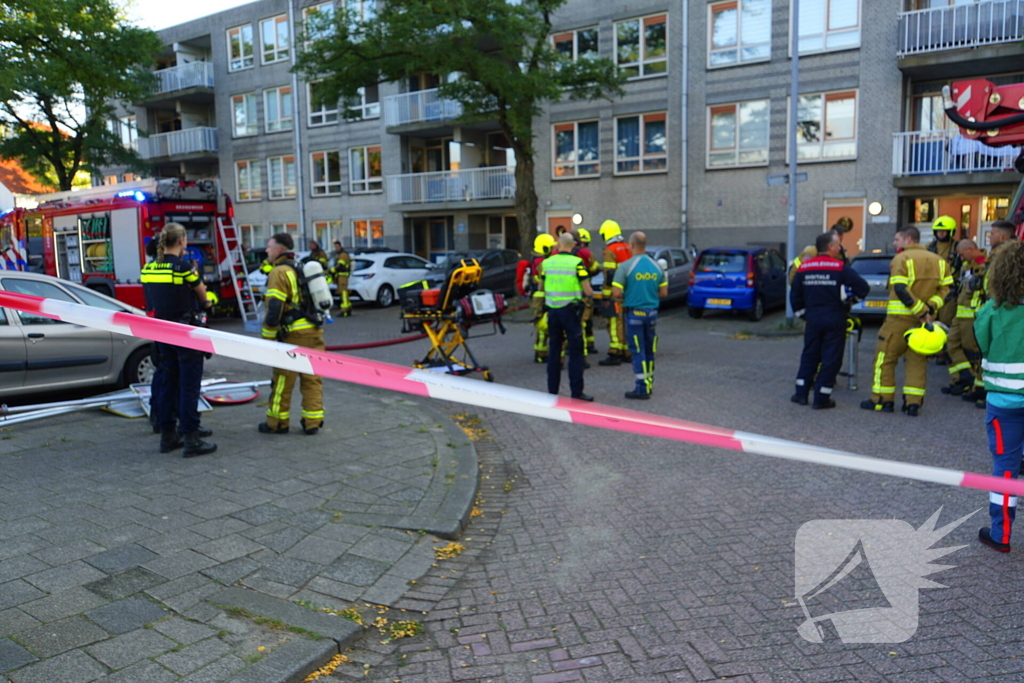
[377,276]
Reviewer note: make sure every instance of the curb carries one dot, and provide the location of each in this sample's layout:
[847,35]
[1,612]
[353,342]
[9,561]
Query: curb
[797,332]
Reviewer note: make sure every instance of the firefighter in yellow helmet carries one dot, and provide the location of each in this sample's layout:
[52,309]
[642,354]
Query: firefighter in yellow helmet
[341,271]
[543,245]
[583,251]
[842,226]
[918,283]
[616,251]
[944,246]
[964,354]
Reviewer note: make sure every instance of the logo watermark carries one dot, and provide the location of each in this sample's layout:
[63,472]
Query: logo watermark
[857,580]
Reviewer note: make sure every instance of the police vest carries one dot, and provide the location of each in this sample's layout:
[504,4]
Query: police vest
[561,280]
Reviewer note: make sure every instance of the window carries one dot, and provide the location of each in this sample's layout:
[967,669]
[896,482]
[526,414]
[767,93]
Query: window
[277,105]
[36,288]
[248,180]
[110,180]
[320,113]
[829,25]
[288,228]
[281,177]
[362,10]
[738,134]
[319,21]
[740,31]
[641,46]
[367,103]
[325,232]
[243,108]
[578,44]
[252,236]
[368,233]
[240,49]
[275,39]
[126,130]
[90,298]
[640,144]
[827,126]
[577,149]
[326,170]
[365,170]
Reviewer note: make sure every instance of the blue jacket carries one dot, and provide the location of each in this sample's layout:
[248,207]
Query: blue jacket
[818,288]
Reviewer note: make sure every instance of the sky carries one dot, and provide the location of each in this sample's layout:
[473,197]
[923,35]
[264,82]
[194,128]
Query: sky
[159,14]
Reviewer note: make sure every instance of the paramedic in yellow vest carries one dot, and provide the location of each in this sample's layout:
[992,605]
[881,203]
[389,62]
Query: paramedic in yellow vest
[842,226]
[965,356]
[616,251]
[543,245]
[285,322]
[918,283]
[341,272]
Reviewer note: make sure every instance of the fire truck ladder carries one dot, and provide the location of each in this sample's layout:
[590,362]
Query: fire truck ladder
[248,307]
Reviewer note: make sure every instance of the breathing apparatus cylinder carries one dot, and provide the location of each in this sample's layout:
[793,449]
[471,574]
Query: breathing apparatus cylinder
[316,282]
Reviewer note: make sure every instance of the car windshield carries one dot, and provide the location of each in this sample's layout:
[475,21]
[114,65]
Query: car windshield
[872,266]
[361,264]
[719,262]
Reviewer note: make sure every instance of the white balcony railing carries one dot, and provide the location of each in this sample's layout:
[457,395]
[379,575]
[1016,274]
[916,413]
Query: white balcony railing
[419,106]
[492,182]
[191,75]
[943,152]
[188,141]
[960,26]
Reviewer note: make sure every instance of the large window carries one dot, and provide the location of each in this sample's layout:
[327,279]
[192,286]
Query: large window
[320,113]
[252,236]
[739,31]
[829,25]
[287,228]
[325,168]
[281,177]
[368,232]
[362,10]
[577,149]
[827,126]
[318,21]
[640,144]
[578,44]
[277,106]
[248,180]
[126,129]
[325,232]
[275,39]
[243,112]
[240,48]
[366,103]
[365,170]
[738,134]
[641,46]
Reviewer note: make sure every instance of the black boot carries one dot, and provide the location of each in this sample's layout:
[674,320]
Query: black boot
[170,440]
[799,398]
[611,360]
[884,407]
[195,446]
[308,430]
[203,432]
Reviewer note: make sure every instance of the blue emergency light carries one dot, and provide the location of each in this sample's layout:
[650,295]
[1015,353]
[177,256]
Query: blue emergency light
[137,195]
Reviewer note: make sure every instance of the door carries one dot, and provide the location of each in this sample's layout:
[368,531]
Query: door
[772,285]
[556,222]
[59,354]
[778,266]
[853,241]
[12,355]
[965,210]
[679,274]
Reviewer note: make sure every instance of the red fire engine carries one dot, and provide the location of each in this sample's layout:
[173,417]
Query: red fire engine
[98,236]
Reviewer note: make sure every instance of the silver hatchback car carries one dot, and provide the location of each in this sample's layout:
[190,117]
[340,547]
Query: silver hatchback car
[39,354]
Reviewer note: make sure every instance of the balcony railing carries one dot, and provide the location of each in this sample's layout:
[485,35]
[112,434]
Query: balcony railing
[188,141]
[960,26]
[419,106]
[191,75]
[943,152]
[493,182]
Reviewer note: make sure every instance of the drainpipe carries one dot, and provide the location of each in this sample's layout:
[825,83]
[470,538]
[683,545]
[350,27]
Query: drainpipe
[296,127]
[683,200]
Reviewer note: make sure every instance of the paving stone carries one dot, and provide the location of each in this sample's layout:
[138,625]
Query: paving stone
[126,583]
[282,540]
[228,548]
[318,550]
[355,570]
[195,656]
[294,660]
[20,566]
[381,549]
[122,558]
[131,647]
[294,615]
[71,667]
[230,572]
[68,552]
[219,528]
[14,620]
[64,577]
[143,672]
[335,589]
[60,636]
[183,631]
[180,564]
[289,571]
[13,656]
[127,615]
[217,672]
[14,593]
[63,604]
[261,514]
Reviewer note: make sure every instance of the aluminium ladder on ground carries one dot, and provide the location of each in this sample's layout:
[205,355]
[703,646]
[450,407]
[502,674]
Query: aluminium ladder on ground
[250,309]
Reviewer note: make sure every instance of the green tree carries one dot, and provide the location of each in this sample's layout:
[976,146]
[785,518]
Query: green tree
[500,50]
[62,62]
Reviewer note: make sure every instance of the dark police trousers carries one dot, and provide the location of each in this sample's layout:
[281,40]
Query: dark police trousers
[824,343]
[182,375]
[565,322]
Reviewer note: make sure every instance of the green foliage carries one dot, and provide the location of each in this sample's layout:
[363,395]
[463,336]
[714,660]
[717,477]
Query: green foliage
[495,57]
[61,63]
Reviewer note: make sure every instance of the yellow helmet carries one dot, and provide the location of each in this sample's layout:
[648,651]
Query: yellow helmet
[944,223]
[926,340]
[543,243]
[609,229]
[584,235]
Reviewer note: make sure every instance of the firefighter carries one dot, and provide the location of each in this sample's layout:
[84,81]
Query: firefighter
[818,290]
[842,226]
[543,245]
[565,281]
[918,283]
[583,251]
[341,271]
[965,357]
[286,321]
[317,254]
[616,251]
[943,245]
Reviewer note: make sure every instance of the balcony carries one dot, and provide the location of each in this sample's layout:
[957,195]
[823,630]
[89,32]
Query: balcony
[193,142]
[192,82]
[988,27]
[944,157]
[422,106]
[495,185]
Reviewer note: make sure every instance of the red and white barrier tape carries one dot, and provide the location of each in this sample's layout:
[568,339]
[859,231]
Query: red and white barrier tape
[487,395]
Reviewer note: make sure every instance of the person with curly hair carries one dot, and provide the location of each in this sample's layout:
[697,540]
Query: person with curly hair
[999,328]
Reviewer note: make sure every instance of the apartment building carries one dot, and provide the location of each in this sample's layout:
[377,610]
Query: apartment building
[685,154]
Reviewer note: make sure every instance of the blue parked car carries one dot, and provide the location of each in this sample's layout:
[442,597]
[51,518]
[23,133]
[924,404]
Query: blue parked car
[749,279]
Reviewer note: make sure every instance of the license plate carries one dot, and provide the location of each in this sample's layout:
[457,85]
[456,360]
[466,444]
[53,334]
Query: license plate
[875,304]
[720,302]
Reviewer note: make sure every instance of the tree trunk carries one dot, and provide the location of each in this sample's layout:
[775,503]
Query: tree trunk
[526,201]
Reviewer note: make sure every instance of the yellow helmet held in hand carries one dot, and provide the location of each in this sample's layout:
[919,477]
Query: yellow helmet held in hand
[609,229]
[944,223]
[584,235]
[543,243]
[926,340]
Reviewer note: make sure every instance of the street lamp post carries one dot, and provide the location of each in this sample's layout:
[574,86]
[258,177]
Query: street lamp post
[794,82]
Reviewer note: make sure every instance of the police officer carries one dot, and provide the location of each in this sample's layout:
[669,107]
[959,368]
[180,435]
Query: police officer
[616,251]
[175,292]
[565,281]
[341,271]
[818,290]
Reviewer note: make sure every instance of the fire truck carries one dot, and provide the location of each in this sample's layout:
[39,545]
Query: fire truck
[98,237]
[994,115]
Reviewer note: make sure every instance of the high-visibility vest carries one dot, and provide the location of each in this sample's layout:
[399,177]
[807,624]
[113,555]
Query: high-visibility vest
[561,280]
